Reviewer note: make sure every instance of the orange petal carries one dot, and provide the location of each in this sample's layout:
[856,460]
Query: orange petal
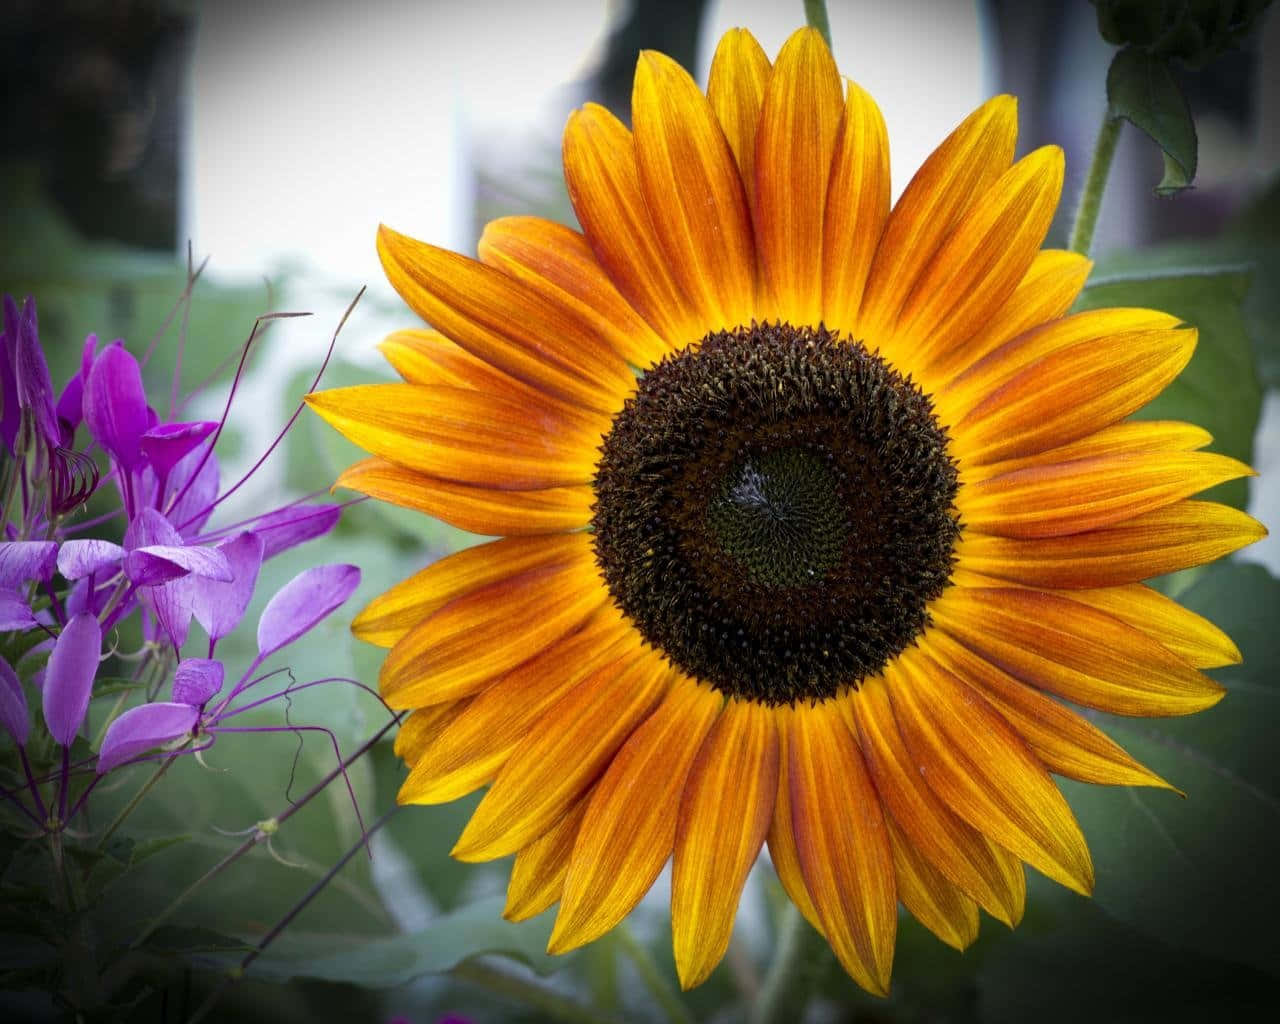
[693,192]
[1132,437]
[556,261]
[475,638]
[391,615]
[981,262]
[537,875]
[1047,290]
[477,742]
[427,357]
[724,816]
[418,730]
[856,211]
[1174,537]
[842,844]
[948,183]
[1065,742]
[977,765]
[782,838]
[604,187]
[1073,650]
[487,440]
[561,758]
[523,331]
[962,854]
[1071,393]
[494,513]
[1085,494]
[937,904]
[794,148]
[1194,639]
[630,826]
[735,89]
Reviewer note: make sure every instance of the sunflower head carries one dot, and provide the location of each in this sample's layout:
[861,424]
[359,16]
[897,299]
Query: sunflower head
[814,519]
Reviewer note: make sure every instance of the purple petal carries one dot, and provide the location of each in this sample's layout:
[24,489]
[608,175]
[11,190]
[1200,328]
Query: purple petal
[149,528]
[68,679]
[196,680]
[303,602]
[78,558]
[159,563]
[23,560]
[70,409]
[141,729]
[192,511]
[220,606]
[169,443]
[15,613]
[35,390]
[13,705]
[115,405]
[171,603]
[288,527]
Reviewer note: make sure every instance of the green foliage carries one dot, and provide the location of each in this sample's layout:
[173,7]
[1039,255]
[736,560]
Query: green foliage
[1141,89]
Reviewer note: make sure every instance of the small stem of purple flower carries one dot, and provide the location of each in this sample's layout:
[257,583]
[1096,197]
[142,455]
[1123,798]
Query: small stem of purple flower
[32,784]
[64,784]
[292,419]
[173,311]
[80,802]
[290,690]
[55,605]
[182,344]
[223,531]
[12,797]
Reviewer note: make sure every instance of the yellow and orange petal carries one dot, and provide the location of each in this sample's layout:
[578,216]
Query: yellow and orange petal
[929,782]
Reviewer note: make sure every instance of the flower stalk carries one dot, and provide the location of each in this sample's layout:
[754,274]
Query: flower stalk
[1104,151]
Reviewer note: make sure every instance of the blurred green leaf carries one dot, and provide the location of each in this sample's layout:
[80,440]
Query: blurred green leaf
[1141,89]
[448,940]
[1198,872]
[1219,389]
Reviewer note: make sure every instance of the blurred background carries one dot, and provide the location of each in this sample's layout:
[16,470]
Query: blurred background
[273,137]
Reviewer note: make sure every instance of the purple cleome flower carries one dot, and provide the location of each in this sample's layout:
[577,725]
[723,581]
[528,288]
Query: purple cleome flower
[163,563]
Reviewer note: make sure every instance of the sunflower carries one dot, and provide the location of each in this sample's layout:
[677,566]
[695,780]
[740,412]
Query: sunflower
[811,514]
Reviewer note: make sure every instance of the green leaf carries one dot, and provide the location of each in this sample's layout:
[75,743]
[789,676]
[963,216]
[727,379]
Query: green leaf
[170,939]
[1197,872]
[1219,389]
[448,940]
[1142,90]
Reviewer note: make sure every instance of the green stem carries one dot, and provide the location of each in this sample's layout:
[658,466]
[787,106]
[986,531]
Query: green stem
[128,808]
[815,13]
[654,980]
[1095,184]
[785,989]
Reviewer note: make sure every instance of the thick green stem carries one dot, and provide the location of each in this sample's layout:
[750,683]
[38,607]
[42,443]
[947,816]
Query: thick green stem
[654,980]
[1095,184]
[815,13]
[785,990]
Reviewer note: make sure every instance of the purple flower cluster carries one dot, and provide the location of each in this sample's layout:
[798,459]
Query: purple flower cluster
[163,563]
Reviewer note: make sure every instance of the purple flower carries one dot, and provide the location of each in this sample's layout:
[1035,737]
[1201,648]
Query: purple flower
[302,603]
[115,405]
[13,705]
[69,678]
[141,729]
[31,371]
[197,680]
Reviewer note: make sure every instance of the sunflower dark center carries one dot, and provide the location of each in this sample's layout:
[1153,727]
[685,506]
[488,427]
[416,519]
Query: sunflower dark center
[774,511]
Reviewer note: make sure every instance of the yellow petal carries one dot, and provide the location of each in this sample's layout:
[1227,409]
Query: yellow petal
[1086,494]
[468,752]
[418,730]
[1047,290]
[468,436]
[468,643]
[856,211]
[724,815]
[630,825]
[782,838]
[735,89]
[842,844]
[977,765]
[604,187]
[794,148]
[957,850]
[1065,742]
[980,263]
[494,513]
[561,758]
[537,875]
[1073,650]
[949,182]
[557,262]
[390,616]
[427,357]
[932,900]
[1194,639]
[1174,537]
[522,330]
[693,192]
